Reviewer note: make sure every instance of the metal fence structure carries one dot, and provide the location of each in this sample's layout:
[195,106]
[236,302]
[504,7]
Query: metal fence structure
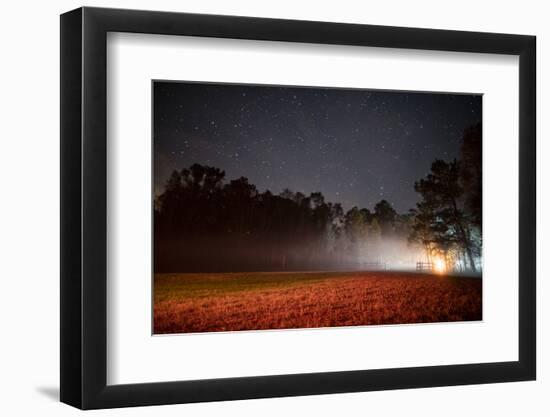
[379,266]
[424,266]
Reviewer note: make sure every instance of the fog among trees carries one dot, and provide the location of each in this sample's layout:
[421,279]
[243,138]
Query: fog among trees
[204,222]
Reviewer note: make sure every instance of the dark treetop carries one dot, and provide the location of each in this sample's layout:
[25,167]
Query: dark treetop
[355,146]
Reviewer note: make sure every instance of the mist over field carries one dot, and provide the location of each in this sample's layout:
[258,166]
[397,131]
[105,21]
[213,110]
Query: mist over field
[242,254]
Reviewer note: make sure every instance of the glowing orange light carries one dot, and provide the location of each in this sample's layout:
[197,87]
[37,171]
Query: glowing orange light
[439,266]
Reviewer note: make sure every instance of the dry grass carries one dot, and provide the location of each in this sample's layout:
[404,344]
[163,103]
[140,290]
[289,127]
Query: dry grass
[187,303]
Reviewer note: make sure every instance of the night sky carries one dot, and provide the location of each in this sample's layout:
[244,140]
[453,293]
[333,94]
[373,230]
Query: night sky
[355,146]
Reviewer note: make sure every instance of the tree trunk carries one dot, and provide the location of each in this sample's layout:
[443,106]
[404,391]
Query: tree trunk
[464,238]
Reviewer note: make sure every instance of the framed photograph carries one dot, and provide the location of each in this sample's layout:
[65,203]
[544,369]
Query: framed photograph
[259,208]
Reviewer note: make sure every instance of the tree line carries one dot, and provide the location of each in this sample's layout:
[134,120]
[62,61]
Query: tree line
[205,223]
[202,222]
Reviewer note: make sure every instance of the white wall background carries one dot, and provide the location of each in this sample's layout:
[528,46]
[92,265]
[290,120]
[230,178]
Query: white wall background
[29,209]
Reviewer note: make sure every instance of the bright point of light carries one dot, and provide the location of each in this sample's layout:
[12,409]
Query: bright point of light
[439,266]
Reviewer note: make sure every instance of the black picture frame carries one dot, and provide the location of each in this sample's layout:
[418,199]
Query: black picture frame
[84,207]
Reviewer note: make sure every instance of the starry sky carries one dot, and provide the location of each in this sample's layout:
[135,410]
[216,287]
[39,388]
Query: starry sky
[355,146]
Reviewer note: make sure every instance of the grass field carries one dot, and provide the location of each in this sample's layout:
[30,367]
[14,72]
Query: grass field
[189,303]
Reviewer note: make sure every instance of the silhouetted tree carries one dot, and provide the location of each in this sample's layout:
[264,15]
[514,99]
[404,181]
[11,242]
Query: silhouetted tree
[385,214]
[439,214]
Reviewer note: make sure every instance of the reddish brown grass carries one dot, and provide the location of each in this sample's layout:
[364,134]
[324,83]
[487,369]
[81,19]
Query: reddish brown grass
[251,301]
